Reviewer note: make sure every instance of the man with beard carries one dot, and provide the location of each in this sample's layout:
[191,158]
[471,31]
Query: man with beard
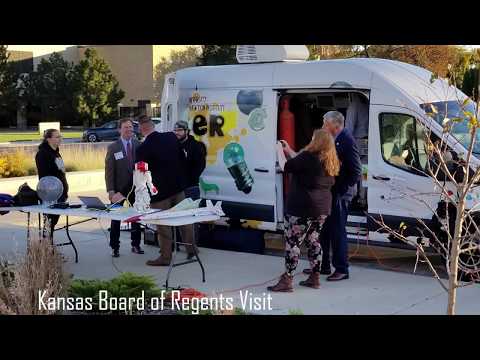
[195,153]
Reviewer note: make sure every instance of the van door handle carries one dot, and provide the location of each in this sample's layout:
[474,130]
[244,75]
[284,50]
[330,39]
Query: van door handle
[263,170]
[382,178]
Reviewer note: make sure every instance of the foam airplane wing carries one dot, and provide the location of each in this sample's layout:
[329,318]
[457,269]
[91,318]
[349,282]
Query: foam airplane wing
[210,209]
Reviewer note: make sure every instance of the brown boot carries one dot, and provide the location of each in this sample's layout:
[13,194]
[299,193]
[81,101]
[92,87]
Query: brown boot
[285,284]
[160,261]
[165,253]
[313,281]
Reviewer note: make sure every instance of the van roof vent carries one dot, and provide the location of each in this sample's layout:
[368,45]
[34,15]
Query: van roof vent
[271,53]
[246,53]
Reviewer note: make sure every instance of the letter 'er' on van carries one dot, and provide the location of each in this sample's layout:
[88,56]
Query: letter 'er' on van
[235,111]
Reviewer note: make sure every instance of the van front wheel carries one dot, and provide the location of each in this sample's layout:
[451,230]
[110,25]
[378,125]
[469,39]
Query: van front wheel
[469,259]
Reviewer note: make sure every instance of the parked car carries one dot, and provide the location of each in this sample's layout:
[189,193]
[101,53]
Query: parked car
[108,131]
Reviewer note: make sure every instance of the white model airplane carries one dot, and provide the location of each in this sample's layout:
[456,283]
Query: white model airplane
[210,209]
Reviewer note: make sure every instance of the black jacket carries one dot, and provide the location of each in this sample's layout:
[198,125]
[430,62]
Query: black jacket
[166,162]
[46,166]
[195,153]
[310,188]
[350,165]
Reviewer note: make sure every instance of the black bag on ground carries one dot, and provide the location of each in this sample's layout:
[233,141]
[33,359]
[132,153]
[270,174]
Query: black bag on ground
[6,200]
[26,196]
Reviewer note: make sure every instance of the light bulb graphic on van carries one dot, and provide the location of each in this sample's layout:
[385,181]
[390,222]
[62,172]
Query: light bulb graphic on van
[234,159]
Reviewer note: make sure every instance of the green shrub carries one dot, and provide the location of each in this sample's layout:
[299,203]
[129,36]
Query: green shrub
[125,285]
[295,312]
[239,311]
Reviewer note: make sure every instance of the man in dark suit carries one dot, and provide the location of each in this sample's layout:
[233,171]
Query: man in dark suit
[166,162]
[119,165]
[334,232]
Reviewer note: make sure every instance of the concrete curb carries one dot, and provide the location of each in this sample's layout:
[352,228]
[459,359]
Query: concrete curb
[78,181]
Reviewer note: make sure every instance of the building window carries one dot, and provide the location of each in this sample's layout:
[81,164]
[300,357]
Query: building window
[143,103]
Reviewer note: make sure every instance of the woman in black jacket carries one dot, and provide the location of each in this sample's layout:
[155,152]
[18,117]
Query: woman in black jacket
[50,163]
[309,202]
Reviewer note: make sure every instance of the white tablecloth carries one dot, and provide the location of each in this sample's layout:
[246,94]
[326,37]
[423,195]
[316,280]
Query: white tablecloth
[120,214]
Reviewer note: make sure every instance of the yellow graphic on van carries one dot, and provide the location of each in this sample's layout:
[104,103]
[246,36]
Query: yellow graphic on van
[215,130]
[252,224]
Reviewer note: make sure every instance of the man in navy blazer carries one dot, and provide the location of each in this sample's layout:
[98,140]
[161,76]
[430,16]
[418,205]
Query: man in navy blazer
[334,232]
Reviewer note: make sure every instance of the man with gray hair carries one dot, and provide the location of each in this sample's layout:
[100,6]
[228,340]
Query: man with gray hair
[334,232]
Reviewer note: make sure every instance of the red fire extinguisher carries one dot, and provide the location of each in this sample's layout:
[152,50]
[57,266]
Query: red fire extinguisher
[286,131]
[286,127]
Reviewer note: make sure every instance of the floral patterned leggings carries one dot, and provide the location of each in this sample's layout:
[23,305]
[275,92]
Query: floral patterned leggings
[298,230]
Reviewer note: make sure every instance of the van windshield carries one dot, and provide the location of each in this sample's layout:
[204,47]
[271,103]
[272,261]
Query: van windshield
[453,109]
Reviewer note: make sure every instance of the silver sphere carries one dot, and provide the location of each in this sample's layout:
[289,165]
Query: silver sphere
[49,189]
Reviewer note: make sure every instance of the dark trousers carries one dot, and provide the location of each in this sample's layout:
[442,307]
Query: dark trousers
[165,233]
[135,235]
[334,236]
[53,219]
[192,192]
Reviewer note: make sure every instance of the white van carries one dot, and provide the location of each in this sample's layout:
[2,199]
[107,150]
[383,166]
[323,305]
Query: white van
[234,110]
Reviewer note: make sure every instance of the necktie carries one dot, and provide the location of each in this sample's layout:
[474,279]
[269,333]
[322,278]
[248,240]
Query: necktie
[129,154]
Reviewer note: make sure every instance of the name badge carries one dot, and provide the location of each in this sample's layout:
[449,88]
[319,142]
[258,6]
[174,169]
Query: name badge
[118,155]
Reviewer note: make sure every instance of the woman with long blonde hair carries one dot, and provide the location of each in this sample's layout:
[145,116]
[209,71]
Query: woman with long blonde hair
[309,202]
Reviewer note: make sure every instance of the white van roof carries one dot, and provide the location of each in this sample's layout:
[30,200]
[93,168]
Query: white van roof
[392,78]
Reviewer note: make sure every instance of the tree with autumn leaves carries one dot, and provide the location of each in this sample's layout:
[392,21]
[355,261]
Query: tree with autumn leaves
[434,58]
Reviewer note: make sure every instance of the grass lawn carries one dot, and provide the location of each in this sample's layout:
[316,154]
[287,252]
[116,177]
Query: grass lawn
[25,136]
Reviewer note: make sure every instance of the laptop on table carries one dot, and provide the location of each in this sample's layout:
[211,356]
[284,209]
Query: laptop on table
[92,202]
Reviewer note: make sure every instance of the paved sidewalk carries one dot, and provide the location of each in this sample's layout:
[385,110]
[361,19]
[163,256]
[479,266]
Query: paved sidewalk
[369,291]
